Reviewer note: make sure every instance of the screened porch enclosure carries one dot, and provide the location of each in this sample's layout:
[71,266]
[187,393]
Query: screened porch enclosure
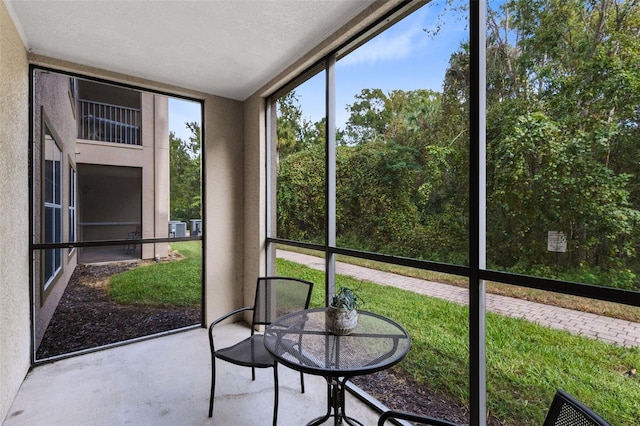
[475,163]
[110,202]
[110,175]
[460,178]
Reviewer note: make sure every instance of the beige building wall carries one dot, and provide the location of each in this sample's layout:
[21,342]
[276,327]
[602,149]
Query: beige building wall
[254,194]
[160,177]
[152,158]
[53,111]
[224,208]
[15,342]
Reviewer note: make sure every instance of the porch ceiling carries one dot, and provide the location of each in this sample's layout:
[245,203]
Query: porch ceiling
[227,48]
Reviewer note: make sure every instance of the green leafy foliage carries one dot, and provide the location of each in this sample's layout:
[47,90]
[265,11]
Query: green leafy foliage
[374,191]
[563,89]
[300,189]
[346,298]
[185,176]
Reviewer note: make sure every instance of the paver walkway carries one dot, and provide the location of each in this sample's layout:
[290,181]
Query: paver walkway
[610,330]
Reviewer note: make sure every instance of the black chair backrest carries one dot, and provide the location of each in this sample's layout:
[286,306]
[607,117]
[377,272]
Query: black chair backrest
[278,296]
[565,410]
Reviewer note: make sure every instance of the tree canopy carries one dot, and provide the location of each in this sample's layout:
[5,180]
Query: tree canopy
[185,177]
[563,112]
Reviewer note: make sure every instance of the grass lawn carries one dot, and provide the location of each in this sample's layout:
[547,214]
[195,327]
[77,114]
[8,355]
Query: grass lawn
[176,283]
[526,362]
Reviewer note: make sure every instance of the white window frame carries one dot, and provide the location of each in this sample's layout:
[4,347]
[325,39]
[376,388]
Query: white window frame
[73,197]
[54,205]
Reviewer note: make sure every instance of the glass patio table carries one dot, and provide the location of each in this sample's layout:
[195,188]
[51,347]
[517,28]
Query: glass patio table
[302,342]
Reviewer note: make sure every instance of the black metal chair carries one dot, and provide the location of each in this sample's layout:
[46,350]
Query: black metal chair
[275,296]
[417,418]
[135,235]
[565,410]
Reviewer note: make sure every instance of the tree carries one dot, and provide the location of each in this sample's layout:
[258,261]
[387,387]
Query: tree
[563,124]
[376,211]
[369,116]
[185,177]
[289,125]
[562,134]
[300,195]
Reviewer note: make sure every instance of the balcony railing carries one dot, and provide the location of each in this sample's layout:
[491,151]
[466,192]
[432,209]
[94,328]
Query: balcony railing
[109,123]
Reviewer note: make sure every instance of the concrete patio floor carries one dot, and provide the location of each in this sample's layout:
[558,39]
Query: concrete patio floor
[166,381]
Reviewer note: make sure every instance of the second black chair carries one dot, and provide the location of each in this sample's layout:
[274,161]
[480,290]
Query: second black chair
[275,296]
[565,410]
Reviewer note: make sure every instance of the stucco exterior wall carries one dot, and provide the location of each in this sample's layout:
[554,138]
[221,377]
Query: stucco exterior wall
[15,324]
[224,215]
[53,110]
[161,179]
[254,194]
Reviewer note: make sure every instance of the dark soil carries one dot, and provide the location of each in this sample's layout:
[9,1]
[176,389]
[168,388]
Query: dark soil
[87,318]
[398,391]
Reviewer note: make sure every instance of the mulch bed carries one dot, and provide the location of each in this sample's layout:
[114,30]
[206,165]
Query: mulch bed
[87,318]
[398,391]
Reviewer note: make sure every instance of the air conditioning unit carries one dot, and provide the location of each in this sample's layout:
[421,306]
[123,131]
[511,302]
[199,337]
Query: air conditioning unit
[195,227]
[177,229]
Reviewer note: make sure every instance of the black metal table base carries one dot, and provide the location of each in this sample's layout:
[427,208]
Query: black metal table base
[335,404]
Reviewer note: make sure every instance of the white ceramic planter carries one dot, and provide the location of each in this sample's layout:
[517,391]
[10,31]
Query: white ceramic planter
[340,321]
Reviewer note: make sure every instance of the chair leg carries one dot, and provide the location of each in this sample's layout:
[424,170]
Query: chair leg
[302,382]
[275,404]
[213,385]
[253,374]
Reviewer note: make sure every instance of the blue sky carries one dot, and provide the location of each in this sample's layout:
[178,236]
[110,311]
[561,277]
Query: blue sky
[181,112]
[404,57]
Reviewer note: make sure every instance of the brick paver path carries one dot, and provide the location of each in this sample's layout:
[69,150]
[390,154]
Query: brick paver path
[610,330]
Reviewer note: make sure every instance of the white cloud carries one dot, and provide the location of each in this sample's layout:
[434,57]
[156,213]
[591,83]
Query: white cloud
[388,46]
